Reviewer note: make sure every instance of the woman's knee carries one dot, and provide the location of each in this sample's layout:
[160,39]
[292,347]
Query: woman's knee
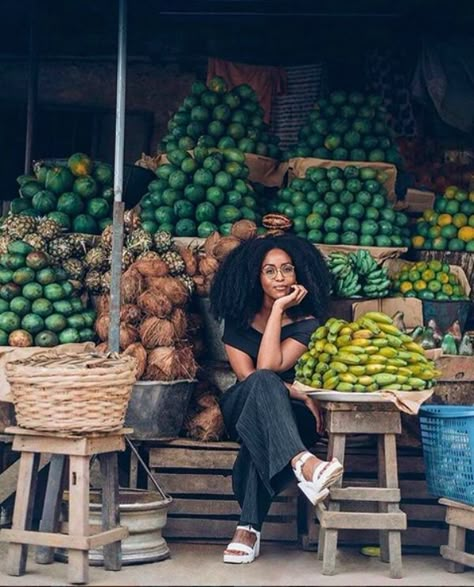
[265,381]
[264,376]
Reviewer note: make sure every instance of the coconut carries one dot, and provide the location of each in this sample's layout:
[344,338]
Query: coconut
[180,323]
[128,335]
[20,338]
[151,267]
[156,332]
[244,229]
[102,347]
[131,314]
[211,242]
[224,246]
[137,351]
[102,326]
[172,287]
[189,259]
[169,363]
[207,425]
[208,265]
[202,285]
[133,284]
[102,305]
[155,303]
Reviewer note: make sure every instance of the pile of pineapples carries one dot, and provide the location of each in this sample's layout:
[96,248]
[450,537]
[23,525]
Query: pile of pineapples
[87,258]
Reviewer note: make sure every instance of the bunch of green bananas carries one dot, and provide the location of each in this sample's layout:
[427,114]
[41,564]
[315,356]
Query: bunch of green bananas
[358,275]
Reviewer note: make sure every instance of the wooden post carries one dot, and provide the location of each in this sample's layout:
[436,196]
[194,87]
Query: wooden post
[78,566]
[110,508]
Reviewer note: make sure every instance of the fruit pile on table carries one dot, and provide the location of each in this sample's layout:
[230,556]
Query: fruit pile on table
[428,280]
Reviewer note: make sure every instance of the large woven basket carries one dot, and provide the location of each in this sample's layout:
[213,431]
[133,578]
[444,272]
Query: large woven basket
[85,392]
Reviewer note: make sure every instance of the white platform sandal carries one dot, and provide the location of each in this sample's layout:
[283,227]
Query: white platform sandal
[249,553]
[324,476]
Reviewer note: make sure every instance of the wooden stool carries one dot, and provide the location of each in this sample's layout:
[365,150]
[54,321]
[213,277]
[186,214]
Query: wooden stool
[383,419]
[460,518]
[77,449]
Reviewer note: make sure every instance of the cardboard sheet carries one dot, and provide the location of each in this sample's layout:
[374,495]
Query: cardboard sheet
[412,309]
[408,402]
[380,254]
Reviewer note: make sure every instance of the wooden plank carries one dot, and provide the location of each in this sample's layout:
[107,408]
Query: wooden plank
[418,512]
[23,511]
[462,518]
[51,539]
[372,423]
[175,458]
[456,504]
[80,446]
[457,543]
[202,484]
[110,509]
[78,562]
[365,494]
[9,477]
[223,507]
[457,556]
[52,505]
[17,430]
[108,538]
[361,521]
[224,529]
[195,444]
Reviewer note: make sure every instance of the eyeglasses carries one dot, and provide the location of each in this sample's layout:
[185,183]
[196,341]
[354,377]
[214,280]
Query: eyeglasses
[270,271]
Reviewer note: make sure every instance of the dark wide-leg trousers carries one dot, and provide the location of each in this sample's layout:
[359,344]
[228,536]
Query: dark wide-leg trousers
[271,429]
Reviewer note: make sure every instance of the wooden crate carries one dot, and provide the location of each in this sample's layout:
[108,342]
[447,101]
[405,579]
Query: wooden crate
[426,523]
[198,475]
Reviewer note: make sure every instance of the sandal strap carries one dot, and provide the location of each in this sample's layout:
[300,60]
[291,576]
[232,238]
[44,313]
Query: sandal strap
[300,462]
[249,528]
[239,547]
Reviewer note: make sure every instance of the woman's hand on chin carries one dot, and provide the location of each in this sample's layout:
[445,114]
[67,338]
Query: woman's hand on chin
[292,299]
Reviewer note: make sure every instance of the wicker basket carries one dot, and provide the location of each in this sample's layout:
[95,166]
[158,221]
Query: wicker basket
[85,392]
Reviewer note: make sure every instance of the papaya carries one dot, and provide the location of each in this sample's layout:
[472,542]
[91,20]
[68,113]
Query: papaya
[364,333]
[338,366]
[331,338]
[331,383]
[388,352]
[373,387]
[391,369]
[416,383]
[345,331]
[371,350]
[337,326]
[358,388]
[357,369]
[414,347]
[330,373]
[325,358]
[365,380]
[344,386]
[385,379]
[322,367]
[80,164]
[402,371]
[357,350]
[394,341]
[402,379]
[378,317]
[347,378]
[369,324]
[330,348]
[348,358]
[320,333]
[397,362]
[319,346]
[374,368]
[394,386]
[377,359]
[361,342]
[379,342]
[343,340]
[389,329]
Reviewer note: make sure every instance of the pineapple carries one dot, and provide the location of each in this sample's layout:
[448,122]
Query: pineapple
[37,242]
[60,249]
[188,282]
[106,238]
[163,241]
[105,282]
[147,255]
[80,244]
[139,241]
[93,282]
[4,242]
[49,229]
[131,221]
[74,268]
[97,258]
[175,262]
[16,226]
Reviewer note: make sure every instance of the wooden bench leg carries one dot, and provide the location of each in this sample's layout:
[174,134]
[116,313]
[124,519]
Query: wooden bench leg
[327,544]
[390,541]
[457,541]
[110,508]
[52,506]
[78,565]
[23,511]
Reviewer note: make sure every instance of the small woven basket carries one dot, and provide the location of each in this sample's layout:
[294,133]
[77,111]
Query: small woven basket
[85,392]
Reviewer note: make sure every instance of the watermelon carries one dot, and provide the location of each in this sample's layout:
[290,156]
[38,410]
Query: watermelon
[44,201]
[85,224]
[59,180]
[85,186]
[80,164]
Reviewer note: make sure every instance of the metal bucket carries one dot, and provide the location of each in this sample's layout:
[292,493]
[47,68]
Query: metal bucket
[145,514]
[213,331]
[157,408]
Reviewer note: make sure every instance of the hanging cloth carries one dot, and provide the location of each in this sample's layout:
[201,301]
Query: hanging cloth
[265,81]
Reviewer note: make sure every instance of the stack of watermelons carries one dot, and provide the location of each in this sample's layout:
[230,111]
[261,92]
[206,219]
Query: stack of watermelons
[39,306]
[347,127]
[211,116]
[197,195]
[77,193]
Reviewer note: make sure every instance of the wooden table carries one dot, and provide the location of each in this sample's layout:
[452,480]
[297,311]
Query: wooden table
[383,419]
[75,451]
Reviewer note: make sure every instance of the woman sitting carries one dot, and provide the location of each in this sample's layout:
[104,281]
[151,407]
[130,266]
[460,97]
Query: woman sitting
[272,293]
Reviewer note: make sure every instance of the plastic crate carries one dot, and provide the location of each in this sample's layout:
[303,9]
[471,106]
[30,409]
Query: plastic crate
[447,434]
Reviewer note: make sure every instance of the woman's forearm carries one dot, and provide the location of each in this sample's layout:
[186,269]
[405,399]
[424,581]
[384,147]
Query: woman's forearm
[270,355]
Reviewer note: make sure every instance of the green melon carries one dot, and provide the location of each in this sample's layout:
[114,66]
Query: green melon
[80,164]
[44,201]
[46,338]
[59,180]
[85,186]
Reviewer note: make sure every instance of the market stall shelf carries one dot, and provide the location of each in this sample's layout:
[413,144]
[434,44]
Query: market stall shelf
[384,421]
[81,537]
